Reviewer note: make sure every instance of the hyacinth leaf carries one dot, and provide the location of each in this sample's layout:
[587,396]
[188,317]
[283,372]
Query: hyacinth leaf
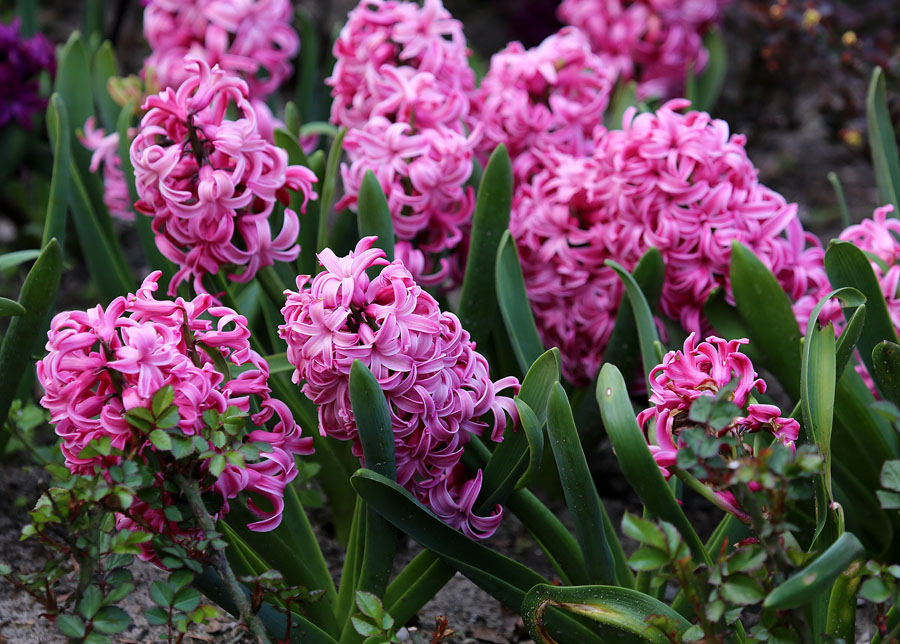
[624,96]
[104,68]
[476,312]
[328,186]
[415,585]
[505,579]
[302,630]
[11,260]
[36,297]
[622,614]
[848,339]
[882,142]
[578,487]
[307,73]
[509,462]
[58,204]
[26,11]
[841,199]
[622,349]
[534,431]
[636,461]
[640,309]
[766,310]
[886,362]
[703,90]
[840,618]
[309,219]
[288,142]
[93,20]
[805,585]
[727,322]
[278,363]
[105,261]
[352,565]
[292,122]
[10,307]
[373,217]
[514,305]
[847,265]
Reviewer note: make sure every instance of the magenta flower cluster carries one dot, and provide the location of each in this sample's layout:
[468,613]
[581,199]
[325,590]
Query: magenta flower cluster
[402,84]
[551,96]
[105,149]
[210,183]
[654,42]
[101,363]
[436,384]
[21,62]
[703,369]
[253,39]
[677,182]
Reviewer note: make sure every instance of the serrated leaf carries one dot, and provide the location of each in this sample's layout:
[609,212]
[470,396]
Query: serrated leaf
[111,619]
[161,440]
[643,531]
[156,616]
[745,559]
[648,559]
[364,627]
[70,625]
[181,447]
[369,605]
[91,601]
[890,475]
[161,400]
[743,590]
[186,600]
[161,593]
[217,465]
[875,590]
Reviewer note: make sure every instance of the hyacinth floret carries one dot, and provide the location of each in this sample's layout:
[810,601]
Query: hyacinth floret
[210,183]
[105,153]
[704,369]
[21,62]
[680,183]
[103,362]
[436,384]
[253,39]
[654,42]
[552,95]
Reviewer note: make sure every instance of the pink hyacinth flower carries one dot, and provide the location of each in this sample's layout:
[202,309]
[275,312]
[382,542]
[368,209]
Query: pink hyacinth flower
[105,148]
[437,386]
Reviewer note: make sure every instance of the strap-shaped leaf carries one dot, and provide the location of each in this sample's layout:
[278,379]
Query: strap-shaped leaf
[10,260]
[104,68]
[376,434]
[534,432]
[636,461]
[10,307]
[849,338]
[728,323]
[623,349]
[624,96]
[847,265]
[309,219]
[36,297]
[514,306]
[840,617]
[578,487]
[886,363]
[841,199]
[328,184]
[643,316]
[882,142]
[703,90]
[374,217]
[416,584]
[505,579]
[307,65]
[805,585]
[766,310]
[623,615]
[58,205]
[491,218]
[510,461]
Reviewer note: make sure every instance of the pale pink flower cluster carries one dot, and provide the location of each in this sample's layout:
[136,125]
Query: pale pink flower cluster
[654,42]
[210,183]
[101,363]
[703,369]
[401,84]
[105,148]
[250,38]
[436,384]
[676,182]
[552,95]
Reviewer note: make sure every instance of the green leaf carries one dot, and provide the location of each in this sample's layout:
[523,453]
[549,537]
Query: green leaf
[476,312]
[369,605]
[624,96]
[512,459]
[636,461]
[804,586]
[364,627]
[514,305]
[847,265]
[91,601]
[623,348]
[186,600]
[643,531]
[840,618]
[217,465]
[331,170]
[36,297]
[882,142]
[156,616]
[162,441]
[628,614]
[112,619]
[534,432]
[60,135]
[161,593]
[643,316]
[505,579]
[849,337]
[104,68]
[890,475]
[743,590]
[162,399]
[374,217]
[766,310]
[70,625]
[648,559]
[841,199]
[417,583]
[579,489]
[9,307]
[886,370]
[10,260]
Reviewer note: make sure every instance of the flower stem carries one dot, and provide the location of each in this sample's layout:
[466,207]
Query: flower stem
[220,561]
